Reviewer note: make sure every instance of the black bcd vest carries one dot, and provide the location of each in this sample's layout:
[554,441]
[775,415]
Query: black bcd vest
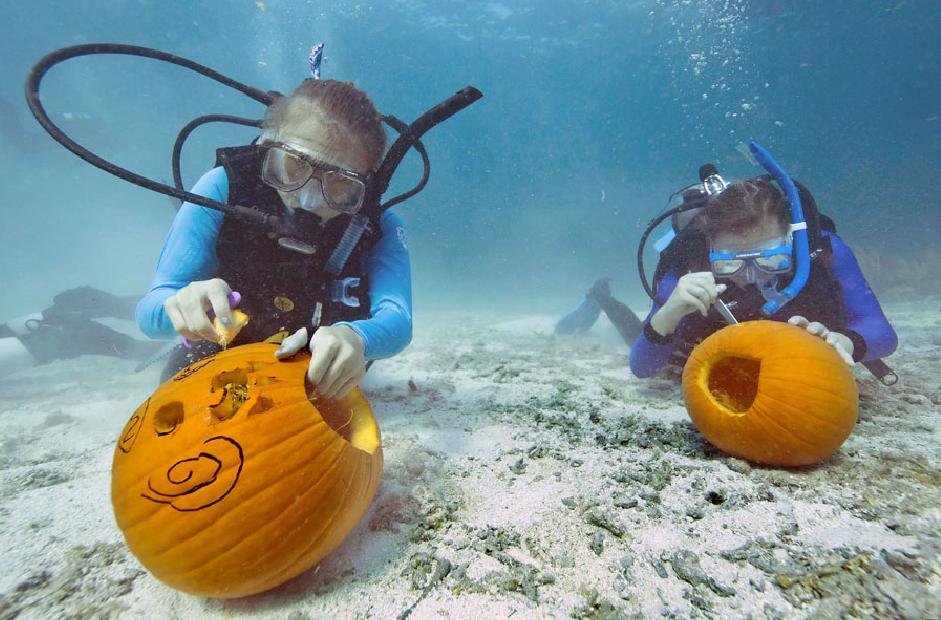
[281,288]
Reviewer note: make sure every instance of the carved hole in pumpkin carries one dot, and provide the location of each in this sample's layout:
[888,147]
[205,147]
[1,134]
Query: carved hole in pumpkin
[733,382]
[234,384]
[353,423]
[168,417]
[337,417]
[237,375]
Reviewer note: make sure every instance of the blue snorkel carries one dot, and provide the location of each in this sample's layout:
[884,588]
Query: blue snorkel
[798,230]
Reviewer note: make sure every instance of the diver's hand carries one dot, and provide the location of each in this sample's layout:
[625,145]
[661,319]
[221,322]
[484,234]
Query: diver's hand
[292,344]
[189,309]
[337,358]
[840,343]
[694,292]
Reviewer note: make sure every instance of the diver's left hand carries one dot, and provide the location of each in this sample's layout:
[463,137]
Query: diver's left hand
[840,343]
[337,358]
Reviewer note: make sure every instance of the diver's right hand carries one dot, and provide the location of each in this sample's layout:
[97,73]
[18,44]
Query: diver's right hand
[694,292]
[189,309]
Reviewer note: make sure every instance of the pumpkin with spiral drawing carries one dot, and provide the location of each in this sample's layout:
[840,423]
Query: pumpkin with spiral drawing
[771,393]
[229,481]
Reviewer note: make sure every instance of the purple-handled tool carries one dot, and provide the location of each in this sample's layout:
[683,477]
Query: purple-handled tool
[235,298]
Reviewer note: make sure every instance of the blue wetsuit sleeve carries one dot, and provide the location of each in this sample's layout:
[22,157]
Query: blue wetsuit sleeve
[864,315]
[389,330]
[647,358]
[188,254]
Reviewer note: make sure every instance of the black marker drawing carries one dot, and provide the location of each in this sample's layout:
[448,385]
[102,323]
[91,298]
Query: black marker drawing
[132,428]
[211,487]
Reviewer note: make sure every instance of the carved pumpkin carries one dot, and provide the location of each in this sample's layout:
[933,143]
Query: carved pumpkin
[771,393]
[228,481]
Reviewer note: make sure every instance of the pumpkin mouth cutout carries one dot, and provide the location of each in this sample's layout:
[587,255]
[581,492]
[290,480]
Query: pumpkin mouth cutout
[235,390]
[733,383]
[235,393]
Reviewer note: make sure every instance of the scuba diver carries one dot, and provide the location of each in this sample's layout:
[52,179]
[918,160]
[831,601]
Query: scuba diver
[746,251]
[291,227]
[318,145]
[68,329]
[740,246]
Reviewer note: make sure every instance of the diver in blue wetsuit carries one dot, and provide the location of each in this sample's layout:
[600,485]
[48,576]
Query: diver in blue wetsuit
[315,154]
[737,241]
[740,245]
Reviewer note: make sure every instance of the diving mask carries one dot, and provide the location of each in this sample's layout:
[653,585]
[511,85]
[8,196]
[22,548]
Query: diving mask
[753,265]
[289,169]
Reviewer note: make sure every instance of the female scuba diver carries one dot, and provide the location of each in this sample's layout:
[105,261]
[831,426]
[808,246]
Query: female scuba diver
[736,240]
[740,245]
[317,149]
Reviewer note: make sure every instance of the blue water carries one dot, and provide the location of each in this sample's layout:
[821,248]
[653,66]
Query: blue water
[594,112]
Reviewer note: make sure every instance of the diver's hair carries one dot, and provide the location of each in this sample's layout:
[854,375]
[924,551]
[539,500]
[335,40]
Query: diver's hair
[743,206]
[341,102]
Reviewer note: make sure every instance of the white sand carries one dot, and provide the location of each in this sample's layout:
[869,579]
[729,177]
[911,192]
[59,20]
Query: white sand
[553,482]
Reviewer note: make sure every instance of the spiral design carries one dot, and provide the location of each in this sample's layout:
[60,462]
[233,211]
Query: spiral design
[201,481]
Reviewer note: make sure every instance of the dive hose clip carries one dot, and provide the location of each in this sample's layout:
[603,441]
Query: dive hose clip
[340,292]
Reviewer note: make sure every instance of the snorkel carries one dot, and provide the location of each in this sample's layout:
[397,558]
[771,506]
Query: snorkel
[798,230]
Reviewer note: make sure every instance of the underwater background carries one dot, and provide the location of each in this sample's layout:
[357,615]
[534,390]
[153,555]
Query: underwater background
[594,112]
[525,475]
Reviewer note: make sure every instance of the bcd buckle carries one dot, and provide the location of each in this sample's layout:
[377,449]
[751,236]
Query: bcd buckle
[340,292]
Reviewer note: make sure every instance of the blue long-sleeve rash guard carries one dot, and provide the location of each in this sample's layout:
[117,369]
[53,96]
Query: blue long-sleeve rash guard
[863,313]
[189,255]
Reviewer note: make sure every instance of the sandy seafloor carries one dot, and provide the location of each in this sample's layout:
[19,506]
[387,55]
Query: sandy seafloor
[527,476]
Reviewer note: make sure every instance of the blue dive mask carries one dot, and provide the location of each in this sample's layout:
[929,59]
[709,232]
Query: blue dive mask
[753,266]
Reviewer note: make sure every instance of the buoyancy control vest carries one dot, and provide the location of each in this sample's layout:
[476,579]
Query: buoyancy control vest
[282,289]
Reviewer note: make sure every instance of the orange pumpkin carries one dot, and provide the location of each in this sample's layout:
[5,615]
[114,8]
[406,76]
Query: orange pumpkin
[228,481]
[771,393]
